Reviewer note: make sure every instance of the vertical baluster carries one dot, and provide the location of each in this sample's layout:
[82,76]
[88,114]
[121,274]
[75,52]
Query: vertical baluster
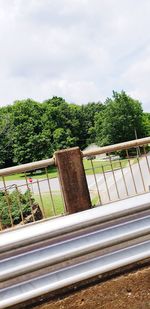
[29,196]
[19,203]
[106,183]
[138,161]
[93,169]
[110,161]
[8,201]
[41,200]
[148,165]
[50,192]
[127,193]
[130,166]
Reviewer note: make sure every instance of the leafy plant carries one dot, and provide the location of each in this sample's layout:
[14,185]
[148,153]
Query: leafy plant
[14,206]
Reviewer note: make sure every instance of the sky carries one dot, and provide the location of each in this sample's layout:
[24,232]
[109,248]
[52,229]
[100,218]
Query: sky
[80,50]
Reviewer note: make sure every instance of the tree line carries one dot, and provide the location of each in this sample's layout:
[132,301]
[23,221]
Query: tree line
[31,131]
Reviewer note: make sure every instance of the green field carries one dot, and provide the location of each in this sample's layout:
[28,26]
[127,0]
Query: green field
[47,205]
[99,167]
[39,174]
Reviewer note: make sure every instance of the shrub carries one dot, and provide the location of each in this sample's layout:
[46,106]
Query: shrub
[15,203]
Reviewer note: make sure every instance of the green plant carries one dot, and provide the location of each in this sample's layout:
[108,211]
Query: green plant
[14,206]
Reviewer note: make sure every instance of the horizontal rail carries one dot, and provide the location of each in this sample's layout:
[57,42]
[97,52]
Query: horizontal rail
[39,231]
[37,259]
[48,162]
[117,147]
[70,275]
[26,167]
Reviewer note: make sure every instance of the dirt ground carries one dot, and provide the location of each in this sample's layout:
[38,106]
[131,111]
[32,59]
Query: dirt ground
[130,291]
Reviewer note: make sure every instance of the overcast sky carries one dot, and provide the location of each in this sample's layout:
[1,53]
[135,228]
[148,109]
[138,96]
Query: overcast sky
[78,49]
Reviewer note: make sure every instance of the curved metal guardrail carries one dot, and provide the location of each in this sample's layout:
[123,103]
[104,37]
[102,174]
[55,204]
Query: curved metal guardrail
[71,275]
[62,251]
[77,246]
[33,233]
[81,245]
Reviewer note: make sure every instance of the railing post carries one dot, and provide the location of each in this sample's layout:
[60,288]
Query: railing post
[73,180]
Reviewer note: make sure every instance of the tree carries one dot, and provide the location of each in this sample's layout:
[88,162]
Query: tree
[31,131]
[61,119]
[87,116]
[31,140]
[120,118]
[146,123]
[63,139]
[6,136]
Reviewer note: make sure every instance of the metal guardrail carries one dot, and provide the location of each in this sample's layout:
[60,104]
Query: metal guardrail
[50,255]
[31,260]
[71,275]
[118,171]
[40,231]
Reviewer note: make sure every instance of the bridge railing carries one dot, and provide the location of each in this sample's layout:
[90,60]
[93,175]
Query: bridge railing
[118,171]
[73,181]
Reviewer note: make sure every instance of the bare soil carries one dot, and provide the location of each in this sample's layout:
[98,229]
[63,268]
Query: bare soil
[129,291]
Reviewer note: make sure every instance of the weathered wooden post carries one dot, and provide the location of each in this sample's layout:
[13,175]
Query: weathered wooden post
[73,180]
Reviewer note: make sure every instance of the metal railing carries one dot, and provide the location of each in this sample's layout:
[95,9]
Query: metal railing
[118,171]
[37,190]
[29,193]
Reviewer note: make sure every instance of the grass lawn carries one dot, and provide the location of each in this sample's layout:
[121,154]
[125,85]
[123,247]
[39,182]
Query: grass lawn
[48,205]
[100,166]
[52,170]
[95,200]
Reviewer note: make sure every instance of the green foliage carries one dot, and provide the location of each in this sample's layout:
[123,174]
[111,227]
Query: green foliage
[62,138]
[6,134]
[120,121]
[31,131]
[87,116]
[11,203]
[61,120]
[146,123]
[31,140]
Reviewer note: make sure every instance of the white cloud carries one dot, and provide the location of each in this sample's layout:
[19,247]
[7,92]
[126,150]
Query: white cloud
[78,49]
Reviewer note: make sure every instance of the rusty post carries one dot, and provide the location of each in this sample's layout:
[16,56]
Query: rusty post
[73,180]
